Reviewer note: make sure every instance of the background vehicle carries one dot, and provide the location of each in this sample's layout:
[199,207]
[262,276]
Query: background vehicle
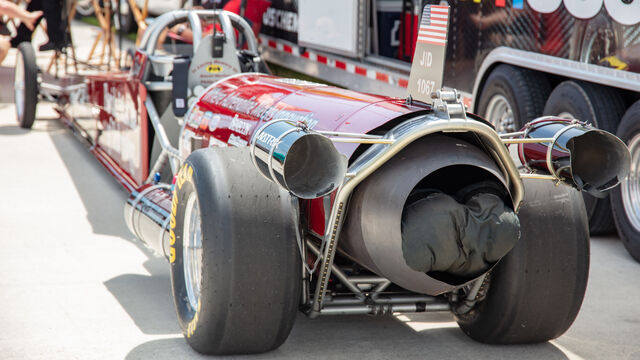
[349,218]
[511,61]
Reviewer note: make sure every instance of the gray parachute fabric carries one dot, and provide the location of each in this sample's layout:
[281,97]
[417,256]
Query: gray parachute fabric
[463,240]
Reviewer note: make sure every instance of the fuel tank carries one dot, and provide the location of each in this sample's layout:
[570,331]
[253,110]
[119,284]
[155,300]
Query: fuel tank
[231,110]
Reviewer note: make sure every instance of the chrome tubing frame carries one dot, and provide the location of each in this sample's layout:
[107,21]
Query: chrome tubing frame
[520,137]
[227,20]
[371,302]
[169,152]
[383,150]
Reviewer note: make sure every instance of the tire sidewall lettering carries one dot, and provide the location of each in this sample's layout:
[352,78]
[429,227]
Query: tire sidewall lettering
[188,317]
[185,174]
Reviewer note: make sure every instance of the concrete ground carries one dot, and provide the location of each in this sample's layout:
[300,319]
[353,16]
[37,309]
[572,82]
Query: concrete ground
[75,285]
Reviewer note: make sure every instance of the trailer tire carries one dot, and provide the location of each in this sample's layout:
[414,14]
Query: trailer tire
[535,292]
[625,197]
[523,90]
[26,85]
[243,295]
[602,107]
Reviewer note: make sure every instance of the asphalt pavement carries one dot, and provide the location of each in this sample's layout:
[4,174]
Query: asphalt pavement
[74,284]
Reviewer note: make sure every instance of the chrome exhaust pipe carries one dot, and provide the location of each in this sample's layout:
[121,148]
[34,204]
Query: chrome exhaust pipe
[301,161]
[589,159]
[147,213]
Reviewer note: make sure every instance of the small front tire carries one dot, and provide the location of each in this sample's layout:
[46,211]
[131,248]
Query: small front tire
[26,85]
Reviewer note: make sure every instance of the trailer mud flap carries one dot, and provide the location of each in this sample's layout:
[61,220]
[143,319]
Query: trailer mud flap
[450,240]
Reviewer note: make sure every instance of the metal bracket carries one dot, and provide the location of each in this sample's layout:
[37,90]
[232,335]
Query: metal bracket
[447,104]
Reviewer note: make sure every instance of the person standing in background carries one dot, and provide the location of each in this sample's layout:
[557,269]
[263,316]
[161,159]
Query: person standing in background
[27,19]
[56,25]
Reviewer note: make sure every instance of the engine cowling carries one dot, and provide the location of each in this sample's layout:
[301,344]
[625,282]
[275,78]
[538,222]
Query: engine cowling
[429,223]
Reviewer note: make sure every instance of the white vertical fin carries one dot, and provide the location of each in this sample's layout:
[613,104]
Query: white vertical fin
[427,68]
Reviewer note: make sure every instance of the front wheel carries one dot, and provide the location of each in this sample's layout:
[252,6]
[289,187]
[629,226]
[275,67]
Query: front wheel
[235,265]
[535,292]
[25,85]
[625,199]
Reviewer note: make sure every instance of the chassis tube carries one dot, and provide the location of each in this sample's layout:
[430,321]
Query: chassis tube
[383,309]
[163,139]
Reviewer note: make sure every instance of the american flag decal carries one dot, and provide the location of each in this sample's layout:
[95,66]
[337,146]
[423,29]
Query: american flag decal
[433,26]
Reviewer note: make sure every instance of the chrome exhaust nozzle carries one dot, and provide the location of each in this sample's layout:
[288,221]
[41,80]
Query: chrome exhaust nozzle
[301,161]
[589,159]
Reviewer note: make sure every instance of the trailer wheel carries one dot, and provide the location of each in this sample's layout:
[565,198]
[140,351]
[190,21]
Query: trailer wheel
[512,96]
[602,107]
[626,197]
[235,265]
[535,292]
[25,85]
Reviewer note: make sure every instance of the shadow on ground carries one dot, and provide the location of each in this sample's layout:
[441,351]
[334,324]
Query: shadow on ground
[365,337]
[147,300]
[104,211]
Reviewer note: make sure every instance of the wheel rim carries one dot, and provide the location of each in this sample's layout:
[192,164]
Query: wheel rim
[630,188]
[500,114]
[84,7]
[192,250]
[19,86]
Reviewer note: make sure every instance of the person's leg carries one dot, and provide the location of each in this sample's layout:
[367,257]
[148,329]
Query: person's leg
[55,24]
[24,34]
[15,12]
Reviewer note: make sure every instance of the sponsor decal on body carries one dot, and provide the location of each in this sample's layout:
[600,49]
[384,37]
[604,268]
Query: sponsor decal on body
[214,122]
[268,139]
[263,112]
[215,142]
[214,68]
[240,126]
[237,141]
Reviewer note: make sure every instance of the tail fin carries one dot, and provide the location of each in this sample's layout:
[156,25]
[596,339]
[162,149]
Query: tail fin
[427,68]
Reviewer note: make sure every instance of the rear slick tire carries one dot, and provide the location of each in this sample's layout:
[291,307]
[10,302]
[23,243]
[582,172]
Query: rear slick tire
[235,265]
[602,107]
[535,292]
